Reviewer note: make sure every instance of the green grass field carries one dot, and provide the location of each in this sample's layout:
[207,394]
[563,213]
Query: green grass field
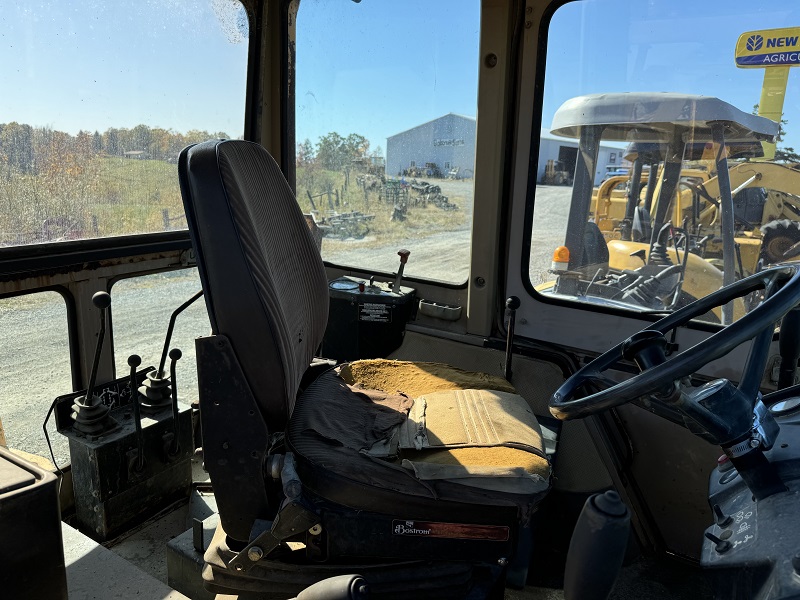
[108,196]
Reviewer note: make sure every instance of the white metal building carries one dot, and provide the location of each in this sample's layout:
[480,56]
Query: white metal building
[552,147]
[448,142]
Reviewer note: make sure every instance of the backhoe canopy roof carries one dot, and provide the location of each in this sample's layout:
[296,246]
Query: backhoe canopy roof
[656,116]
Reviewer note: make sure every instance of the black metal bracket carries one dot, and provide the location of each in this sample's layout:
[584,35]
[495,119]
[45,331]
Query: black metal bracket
[292,520]
[235,437]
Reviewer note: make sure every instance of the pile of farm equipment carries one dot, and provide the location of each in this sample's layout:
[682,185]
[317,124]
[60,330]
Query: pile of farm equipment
[429,193]
[397,192]
[327,219]
[335,224]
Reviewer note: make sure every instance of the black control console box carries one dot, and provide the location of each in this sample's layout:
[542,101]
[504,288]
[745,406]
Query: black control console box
[111,492]
[366,320]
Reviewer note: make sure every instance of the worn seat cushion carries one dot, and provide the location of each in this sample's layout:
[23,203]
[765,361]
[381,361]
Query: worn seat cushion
[480,445]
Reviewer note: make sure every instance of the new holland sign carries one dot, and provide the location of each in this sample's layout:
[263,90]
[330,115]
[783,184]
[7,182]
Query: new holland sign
[769,48]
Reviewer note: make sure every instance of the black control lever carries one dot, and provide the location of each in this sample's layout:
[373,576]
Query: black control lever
[102,300]
[403,254]
[134,360]
[156,386]
[89,413]
[174,357]
[512,304]
[171,327]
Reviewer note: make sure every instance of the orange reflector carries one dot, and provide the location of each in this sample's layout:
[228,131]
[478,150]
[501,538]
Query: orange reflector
[560,259]
[561,254]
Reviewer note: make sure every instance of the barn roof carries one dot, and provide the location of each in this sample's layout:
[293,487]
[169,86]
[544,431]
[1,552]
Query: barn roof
[468,118]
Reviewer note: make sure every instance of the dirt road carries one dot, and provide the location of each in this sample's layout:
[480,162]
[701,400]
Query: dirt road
[446,256]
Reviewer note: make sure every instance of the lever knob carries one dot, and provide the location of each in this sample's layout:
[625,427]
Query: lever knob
[721,518]
[101,300]
[720,545]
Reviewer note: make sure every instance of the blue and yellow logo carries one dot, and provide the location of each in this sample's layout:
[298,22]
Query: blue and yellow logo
[769,48]
[754,42]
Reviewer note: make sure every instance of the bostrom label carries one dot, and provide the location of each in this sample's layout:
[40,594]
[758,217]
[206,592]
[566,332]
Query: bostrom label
[454,531]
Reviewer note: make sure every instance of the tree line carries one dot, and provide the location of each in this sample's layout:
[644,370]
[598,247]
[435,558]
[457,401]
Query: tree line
[334,152]
[32,150]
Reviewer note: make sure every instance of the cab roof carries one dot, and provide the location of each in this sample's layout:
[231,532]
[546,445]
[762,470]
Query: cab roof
[655,116]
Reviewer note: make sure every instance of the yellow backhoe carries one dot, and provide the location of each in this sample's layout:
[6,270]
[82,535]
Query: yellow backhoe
[766,202]
[681,237]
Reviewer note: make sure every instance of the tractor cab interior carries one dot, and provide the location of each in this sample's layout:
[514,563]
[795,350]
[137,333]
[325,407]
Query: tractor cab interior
[350,299]
[347,455]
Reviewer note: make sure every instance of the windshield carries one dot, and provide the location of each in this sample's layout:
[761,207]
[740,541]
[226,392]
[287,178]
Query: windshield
[670,173]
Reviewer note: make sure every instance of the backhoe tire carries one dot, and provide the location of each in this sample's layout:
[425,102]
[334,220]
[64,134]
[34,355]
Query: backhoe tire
[778,237]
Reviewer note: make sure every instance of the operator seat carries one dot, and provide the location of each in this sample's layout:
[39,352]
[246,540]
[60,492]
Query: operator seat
[409,484]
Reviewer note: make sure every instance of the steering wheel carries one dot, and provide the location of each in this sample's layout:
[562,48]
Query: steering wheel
[781,287]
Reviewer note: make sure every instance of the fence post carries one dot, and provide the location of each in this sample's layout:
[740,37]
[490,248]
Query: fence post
[165,216]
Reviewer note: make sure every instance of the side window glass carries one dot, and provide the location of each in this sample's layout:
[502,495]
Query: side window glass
[385,114]
[655,187]
[98,100]
[36,369]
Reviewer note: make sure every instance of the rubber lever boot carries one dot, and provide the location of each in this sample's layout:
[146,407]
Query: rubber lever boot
[597,548]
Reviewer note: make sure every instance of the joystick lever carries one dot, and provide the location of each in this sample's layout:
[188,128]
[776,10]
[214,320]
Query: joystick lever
[89,413]
[174,357]
[102,300]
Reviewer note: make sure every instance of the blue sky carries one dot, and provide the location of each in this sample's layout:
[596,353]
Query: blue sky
[377,70]
[72,65]
[664,46]
[354,77]
[372,67]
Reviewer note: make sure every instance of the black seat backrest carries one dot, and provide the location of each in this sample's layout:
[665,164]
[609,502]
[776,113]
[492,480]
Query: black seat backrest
[263,277]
